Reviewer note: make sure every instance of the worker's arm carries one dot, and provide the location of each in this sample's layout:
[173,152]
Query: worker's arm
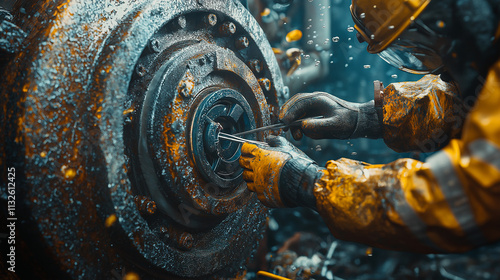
[410,116]
[451,203]
[420,116]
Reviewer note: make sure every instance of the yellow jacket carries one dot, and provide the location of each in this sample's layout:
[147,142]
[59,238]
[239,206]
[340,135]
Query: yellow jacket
[450,203]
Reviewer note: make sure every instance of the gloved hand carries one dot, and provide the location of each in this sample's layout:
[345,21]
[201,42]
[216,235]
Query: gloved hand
[281,175]
[342,119]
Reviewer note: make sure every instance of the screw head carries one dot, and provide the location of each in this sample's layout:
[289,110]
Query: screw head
[210,20]
[181,22]
[145,205]
[186,240]
[227,29]
[154,45]
[242,43]
[255,65]
[265,84]
[140,70]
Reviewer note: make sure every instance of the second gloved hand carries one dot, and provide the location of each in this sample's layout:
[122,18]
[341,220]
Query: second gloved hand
[281,175]
[342,119]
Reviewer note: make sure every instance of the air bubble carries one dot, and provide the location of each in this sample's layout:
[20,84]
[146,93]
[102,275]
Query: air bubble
[367,66]
[335,39]
[394,76]
[350,29]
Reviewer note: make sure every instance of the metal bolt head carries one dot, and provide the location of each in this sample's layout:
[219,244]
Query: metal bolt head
[185,88]
[186,240]
[242,43]
[255,65]
[145,205]
[154,45]
[210,19]
[181,22]
[265,84]
[227,29]
[140,70]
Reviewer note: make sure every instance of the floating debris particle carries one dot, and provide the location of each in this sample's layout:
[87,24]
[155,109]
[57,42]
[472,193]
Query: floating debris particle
[293,35]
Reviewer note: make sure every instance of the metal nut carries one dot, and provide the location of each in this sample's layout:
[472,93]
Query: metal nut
[145,205]
[186,241]
[181,22]
[154,45]
[255,65]
[227,29]
[140,70]
[265,84]
[210,19]
[242,43]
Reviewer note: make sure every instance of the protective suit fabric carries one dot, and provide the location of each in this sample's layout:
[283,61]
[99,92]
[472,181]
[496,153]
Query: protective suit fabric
[450,203]
[421,116]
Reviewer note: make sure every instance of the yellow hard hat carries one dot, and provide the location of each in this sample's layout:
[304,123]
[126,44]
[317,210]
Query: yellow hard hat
[380,22]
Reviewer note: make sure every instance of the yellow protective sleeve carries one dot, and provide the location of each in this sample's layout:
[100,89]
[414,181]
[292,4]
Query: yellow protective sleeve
[450,203]
[421,116]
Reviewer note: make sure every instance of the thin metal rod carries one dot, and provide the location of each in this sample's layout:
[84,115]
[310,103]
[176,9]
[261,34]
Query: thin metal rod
[276,126]
[240,140]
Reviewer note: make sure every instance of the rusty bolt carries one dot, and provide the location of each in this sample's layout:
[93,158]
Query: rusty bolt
[209,58]
[242,43]
[154,45]
[265,84]
[186,241]
[181,22]
[140,70]
[202,61]
[255,65]
[185,88]
[145,204]
[227,29]
[210,20]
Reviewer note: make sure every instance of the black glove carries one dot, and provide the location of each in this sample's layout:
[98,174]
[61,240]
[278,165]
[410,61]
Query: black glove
[341,119]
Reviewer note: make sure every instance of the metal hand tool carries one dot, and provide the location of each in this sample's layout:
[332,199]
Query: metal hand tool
[233,138]
[276,126]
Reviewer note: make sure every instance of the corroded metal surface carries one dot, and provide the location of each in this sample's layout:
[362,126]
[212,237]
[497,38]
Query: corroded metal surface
[73,120]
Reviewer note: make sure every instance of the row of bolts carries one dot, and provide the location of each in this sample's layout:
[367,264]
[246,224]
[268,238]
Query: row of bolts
[226,29]
[144,204]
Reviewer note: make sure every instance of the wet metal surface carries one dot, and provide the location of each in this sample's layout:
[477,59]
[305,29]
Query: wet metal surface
[73,115]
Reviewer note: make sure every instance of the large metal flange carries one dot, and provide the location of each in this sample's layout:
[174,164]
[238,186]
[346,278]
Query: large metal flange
[100,108]
[195,84]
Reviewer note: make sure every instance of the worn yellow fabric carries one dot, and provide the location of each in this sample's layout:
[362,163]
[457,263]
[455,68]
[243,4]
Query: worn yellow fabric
[421,116]
[263,166]
[451,203]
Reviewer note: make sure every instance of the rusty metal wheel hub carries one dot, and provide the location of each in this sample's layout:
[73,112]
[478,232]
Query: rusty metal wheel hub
[114,110]
[192,82]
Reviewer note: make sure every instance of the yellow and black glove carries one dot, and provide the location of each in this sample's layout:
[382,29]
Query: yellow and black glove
[341,119]
[281,175]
